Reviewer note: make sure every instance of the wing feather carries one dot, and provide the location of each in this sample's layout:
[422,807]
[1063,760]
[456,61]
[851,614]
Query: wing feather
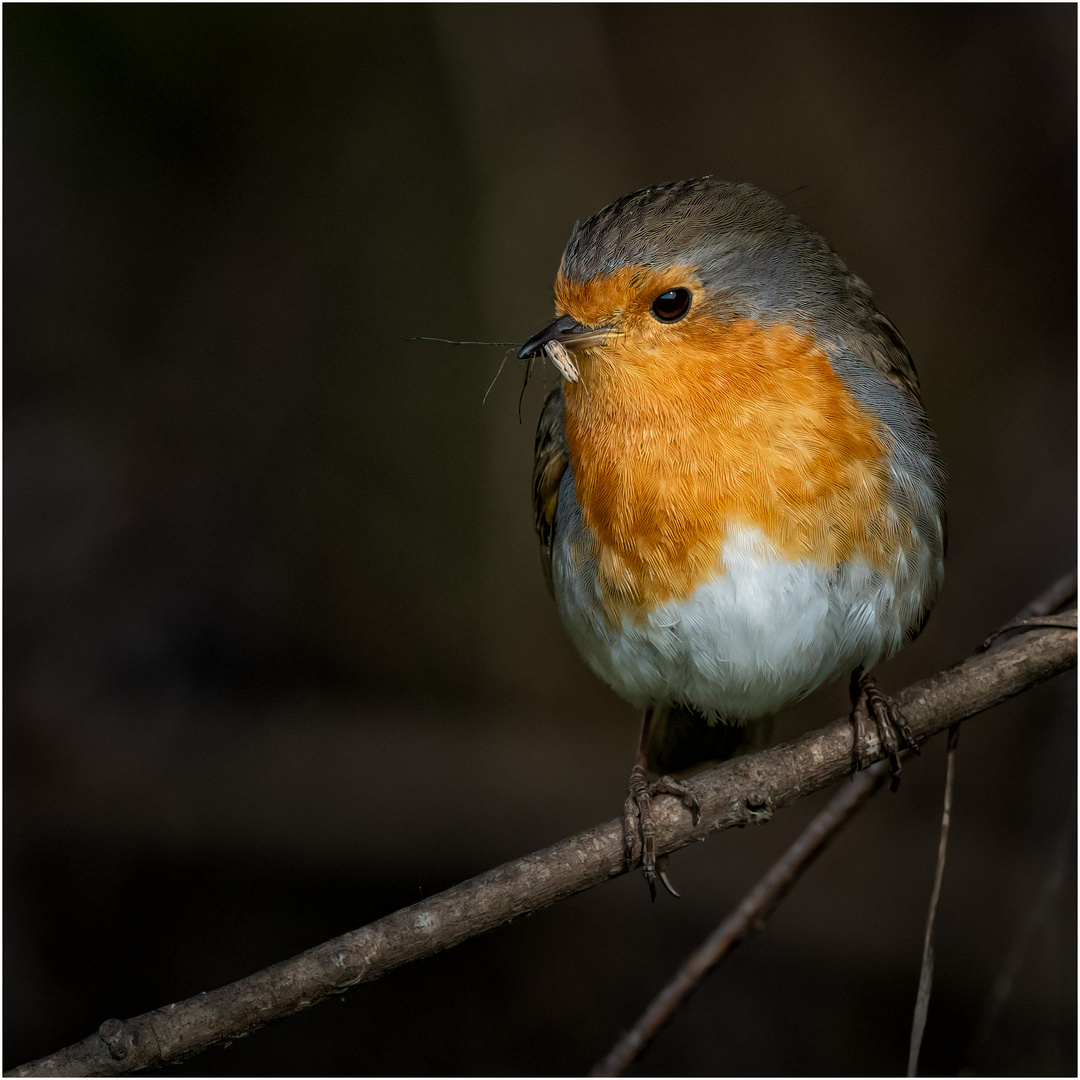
[550,462]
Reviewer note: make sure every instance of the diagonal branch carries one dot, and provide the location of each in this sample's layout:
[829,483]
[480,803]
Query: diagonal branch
[731,794]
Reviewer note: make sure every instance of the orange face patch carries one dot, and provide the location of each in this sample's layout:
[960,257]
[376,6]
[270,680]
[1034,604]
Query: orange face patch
[622,298]
[679,431]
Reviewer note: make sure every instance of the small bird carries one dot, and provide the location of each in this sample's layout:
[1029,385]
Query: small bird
[737,492]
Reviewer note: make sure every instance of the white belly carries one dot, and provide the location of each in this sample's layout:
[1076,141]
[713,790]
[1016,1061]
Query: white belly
[758,636]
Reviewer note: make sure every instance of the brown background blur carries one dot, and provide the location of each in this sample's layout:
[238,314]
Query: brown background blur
[279,656]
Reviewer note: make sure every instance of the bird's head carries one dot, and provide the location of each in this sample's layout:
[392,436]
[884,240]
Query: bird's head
[660,275]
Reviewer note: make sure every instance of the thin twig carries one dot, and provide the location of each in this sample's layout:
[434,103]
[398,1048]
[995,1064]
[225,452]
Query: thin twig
[1066,619]
[926,975]
[1039,611]
[728,795]
[749,917]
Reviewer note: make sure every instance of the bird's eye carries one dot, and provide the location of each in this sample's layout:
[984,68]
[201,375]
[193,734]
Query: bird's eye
[671,306]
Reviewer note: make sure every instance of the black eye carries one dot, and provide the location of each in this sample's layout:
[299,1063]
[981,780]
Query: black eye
[672,305]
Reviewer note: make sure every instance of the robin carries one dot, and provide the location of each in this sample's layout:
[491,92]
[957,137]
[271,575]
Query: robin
[738,495]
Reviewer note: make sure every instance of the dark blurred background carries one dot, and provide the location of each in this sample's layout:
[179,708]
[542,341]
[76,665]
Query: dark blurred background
[279,655]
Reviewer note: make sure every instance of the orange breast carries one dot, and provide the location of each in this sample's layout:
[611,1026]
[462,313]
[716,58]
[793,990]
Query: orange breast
[677,433]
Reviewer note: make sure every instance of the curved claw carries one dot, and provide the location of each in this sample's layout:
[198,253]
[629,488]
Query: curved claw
[639,828]
[650,880]
[661,872]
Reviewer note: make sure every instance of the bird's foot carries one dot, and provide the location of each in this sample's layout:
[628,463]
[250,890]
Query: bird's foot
[639,827]
[869,702]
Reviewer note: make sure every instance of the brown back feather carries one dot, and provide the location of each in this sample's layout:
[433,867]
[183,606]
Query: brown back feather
[550,460]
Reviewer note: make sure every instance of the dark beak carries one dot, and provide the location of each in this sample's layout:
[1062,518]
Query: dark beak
[568,333]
